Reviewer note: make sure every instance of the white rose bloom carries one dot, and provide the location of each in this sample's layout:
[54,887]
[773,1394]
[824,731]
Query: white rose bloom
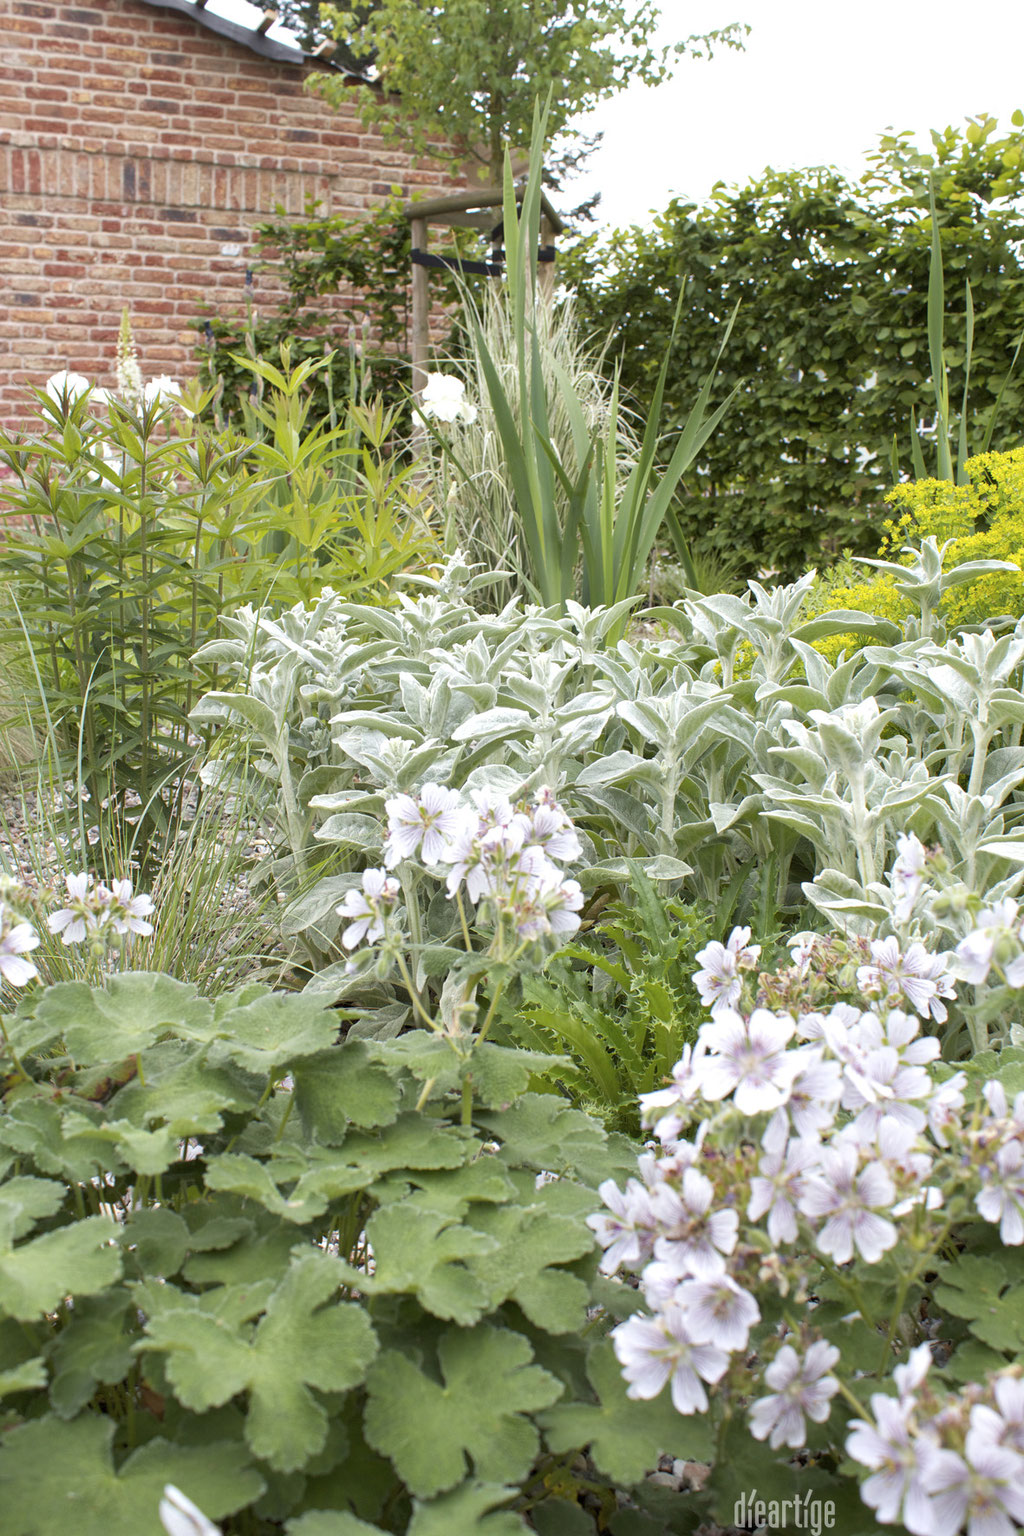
[74,385]
[444,399]
[163,389]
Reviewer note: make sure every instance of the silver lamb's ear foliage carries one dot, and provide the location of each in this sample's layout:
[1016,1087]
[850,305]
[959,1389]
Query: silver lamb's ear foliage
[924,582]
[658,751]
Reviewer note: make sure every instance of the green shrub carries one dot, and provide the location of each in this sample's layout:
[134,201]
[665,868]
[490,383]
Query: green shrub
[830,348]
[128,531]
[980,520]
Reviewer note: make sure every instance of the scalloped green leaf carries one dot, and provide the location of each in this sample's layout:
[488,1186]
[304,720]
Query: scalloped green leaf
[94,1347]
[58,1140]
[341,1087]
[71,1261]
[527,1243]
[185,1091]
[476,1413]
[23,1202]
[274,1030]
[625,1436]
[306,1339]
[86,1495]
[330,1522]
[425,1254]
[499,1074]
[470,1510]
[539,1130]
[100,1025]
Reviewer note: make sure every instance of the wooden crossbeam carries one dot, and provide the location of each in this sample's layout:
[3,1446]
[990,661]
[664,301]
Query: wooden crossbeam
[269,17]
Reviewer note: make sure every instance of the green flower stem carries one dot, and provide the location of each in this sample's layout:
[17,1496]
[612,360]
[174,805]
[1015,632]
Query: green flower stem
[284,1118]
[462,920]
[844,1391]
[12,1053]
[414,997]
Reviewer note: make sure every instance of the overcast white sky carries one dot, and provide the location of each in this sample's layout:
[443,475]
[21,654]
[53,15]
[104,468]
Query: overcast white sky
[819,81]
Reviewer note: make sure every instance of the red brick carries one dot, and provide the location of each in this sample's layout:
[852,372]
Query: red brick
[198,137]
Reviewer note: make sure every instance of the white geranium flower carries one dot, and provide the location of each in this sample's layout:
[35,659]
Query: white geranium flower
[718,1311]
[14,945]
[849,1202]
[654,1350]
[1002,1199]
[627,1234]
[800,1388]
[444,399]
[719,982]
[903,1466]
[906,878]
[776,1188]
[426,825]
[692,1237]
[749,1059]
[83,914]
[180,1517]
[366,909]
[127,913]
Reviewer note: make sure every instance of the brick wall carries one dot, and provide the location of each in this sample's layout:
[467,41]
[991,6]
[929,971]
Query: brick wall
[137,151]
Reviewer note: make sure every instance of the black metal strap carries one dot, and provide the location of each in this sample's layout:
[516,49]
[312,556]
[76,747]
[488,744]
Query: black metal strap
[476,268]
[455,264]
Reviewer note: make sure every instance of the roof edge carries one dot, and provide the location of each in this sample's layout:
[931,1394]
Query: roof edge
[268,48]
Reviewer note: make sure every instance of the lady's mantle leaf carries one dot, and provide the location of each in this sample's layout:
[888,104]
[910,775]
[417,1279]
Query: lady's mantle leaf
[625,1437]
[429,1431]
[60,1477]
[300,1343]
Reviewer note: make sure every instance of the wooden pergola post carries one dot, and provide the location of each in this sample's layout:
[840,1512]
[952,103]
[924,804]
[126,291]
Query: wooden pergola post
[420,309]
[472,210]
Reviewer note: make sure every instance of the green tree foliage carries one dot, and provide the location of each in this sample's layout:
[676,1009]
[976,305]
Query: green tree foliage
[468,72]
[831,341]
